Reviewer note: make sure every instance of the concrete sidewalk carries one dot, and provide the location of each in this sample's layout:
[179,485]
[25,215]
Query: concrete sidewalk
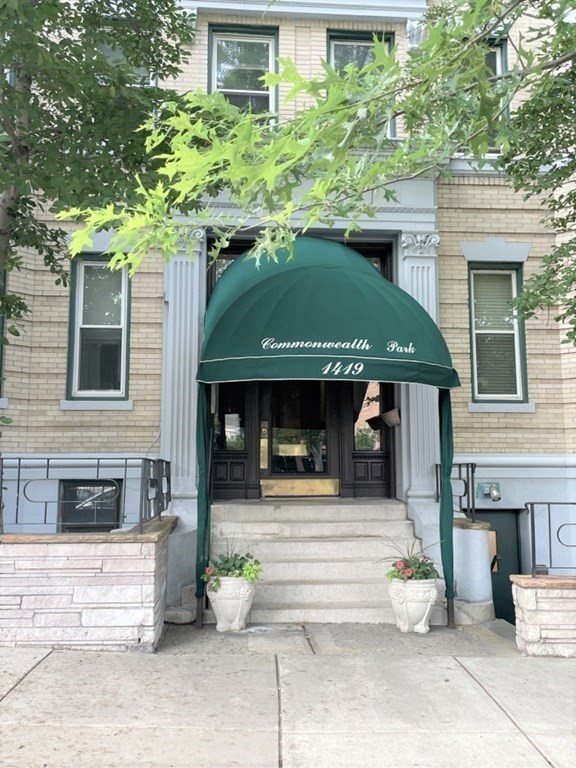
[318,696]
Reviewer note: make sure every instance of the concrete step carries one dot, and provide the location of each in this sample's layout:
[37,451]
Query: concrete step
[327,613]
[312,591]
[263,529]
[319,613]
[295,550]
[379,509]
[330,570]
[324,560]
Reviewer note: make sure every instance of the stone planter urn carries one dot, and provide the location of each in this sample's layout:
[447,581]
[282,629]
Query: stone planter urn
[231,603]
[412,603]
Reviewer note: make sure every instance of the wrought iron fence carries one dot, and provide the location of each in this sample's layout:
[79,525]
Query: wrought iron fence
[552,536]
[464,493]
[81,494]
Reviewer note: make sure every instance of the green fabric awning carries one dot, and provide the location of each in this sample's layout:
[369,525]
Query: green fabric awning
[325,314]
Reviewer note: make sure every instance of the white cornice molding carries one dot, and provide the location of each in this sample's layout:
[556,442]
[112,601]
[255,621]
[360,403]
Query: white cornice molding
[374,10]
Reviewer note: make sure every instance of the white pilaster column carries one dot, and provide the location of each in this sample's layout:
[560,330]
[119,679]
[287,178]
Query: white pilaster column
[185,301]
[418,276]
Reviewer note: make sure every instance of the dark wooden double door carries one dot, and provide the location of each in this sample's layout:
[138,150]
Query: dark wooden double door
[301,438]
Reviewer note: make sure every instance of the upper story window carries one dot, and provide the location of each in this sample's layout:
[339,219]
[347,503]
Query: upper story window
[116,57]
[496,58]
[356,48]
[239,60]
[497,342]
[99,331]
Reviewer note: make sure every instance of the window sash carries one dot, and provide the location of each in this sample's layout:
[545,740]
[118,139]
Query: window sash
[268,40]
[509,330]
[106,328]
[495,56]
[335,39]
[347,42]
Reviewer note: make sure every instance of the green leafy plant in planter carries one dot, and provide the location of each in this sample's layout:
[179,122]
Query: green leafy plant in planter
[412,589]
[232,564]
[412,565]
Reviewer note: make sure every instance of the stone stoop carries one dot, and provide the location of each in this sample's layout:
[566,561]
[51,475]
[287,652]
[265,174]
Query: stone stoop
[323,560]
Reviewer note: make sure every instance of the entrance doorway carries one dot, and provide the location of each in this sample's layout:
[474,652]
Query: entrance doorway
[302,438]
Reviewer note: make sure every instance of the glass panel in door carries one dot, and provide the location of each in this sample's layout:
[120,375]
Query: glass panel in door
[298,427]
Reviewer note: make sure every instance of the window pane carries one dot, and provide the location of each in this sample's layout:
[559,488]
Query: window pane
[492,297]
[102,296]
[366,406]
[496,364]
[358,54]
[299,426]
[255,103]
[229,419]
[116,57]
[493,60]
[240,64]
[99,359]
[90,505]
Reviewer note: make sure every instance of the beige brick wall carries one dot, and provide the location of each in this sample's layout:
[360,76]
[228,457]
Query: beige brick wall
[35,369]
[303,41]
[471,209]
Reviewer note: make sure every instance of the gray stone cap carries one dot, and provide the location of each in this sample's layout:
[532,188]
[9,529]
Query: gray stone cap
[154,530]
[473,525]
[544,582]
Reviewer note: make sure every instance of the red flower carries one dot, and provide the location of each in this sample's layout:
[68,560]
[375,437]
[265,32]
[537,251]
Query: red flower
[209,571]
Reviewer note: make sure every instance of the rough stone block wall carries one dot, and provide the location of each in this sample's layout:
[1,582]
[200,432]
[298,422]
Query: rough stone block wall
[84,591]
[545,615]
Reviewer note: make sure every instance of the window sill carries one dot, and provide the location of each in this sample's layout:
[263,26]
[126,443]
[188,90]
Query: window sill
[96,405]
[501,407]
[3,402]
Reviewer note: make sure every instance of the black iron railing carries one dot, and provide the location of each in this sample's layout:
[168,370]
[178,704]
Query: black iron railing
[552,536]
[91,494]
[462,487]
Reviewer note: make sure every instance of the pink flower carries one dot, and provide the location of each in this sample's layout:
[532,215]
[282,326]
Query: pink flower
[209,571]
[399,564]
[407,572]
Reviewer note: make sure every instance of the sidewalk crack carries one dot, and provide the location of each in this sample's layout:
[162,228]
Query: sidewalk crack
[279,689]
[506,714]
[21,679]
[308,639]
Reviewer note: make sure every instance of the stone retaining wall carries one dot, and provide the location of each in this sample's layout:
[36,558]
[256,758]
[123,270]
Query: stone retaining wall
[105,591]
[545,614]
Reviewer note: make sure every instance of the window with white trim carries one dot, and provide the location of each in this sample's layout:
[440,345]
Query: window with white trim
[239,61]
[496,58]
[117,58]
[100,331]
[497,343]
[356,48]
